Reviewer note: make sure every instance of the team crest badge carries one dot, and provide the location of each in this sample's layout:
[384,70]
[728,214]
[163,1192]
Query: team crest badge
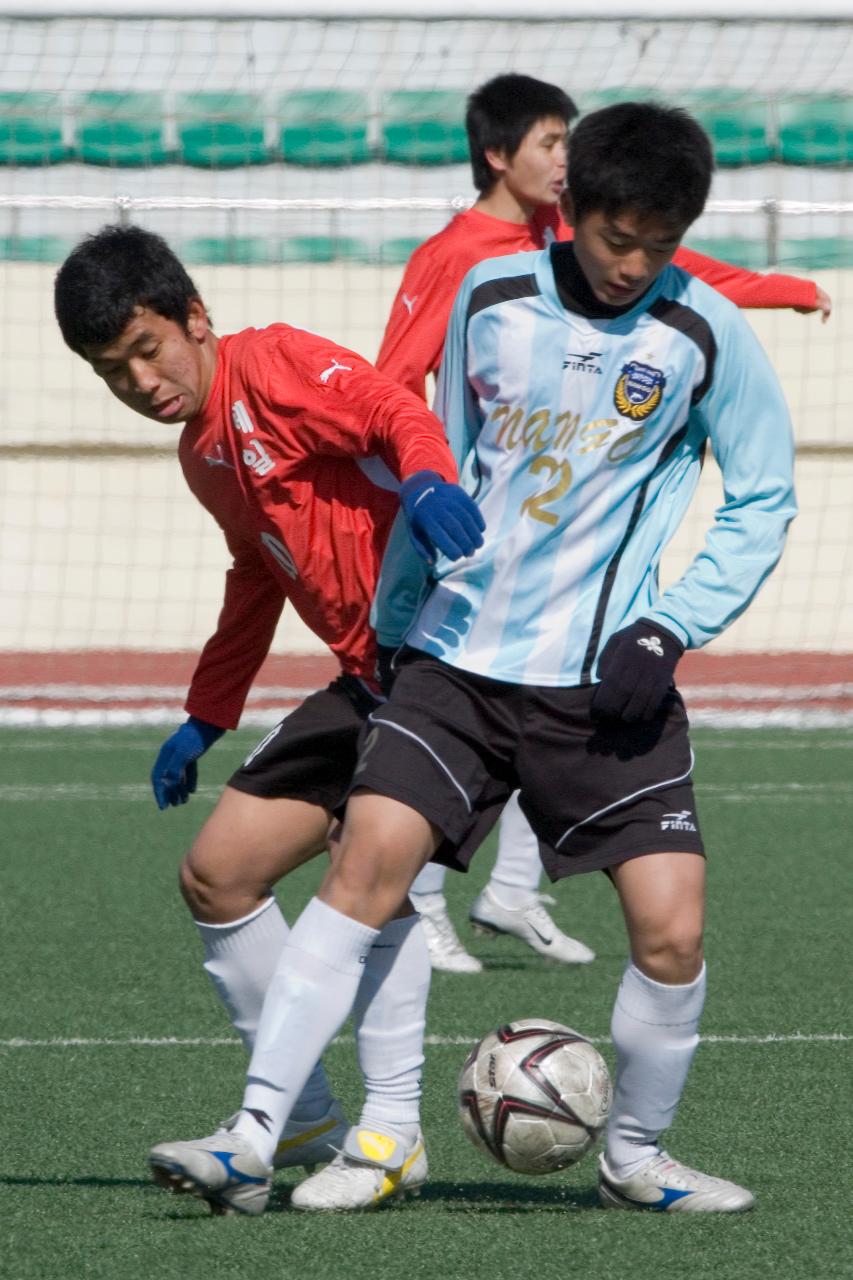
[639,390]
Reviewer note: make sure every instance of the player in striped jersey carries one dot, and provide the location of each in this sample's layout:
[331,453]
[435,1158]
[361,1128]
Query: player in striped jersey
[580,388]
[517,131]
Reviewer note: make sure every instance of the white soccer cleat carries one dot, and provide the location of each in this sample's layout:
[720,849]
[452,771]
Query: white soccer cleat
[532,924]
[223,1169]
[669,1187]
[312,1142]
[372,1167]
[446,952]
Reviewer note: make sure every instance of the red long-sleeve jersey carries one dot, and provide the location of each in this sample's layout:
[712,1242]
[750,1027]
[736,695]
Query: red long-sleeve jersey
[296,454]
[414,336]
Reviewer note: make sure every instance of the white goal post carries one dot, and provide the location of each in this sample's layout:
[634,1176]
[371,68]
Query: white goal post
[441,10]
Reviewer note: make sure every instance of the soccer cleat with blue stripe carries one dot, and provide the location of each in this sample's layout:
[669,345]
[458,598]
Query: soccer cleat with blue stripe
[666,1186]
[306,1143]
[223,1169]
[373,1167]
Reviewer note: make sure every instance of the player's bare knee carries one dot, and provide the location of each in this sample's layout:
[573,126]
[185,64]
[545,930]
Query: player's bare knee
[675,960]
[215,897]
[199,895]
[365,886]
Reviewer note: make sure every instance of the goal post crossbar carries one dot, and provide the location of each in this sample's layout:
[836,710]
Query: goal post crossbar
[439,10]
[123,205]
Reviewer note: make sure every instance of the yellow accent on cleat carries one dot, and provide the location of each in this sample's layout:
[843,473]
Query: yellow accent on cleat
[309,1135]
[376,1147]
[394,1183]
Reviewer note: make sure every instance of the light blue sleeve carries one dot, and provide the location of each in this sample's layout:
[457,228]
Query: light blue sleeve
[746,420]
[405,579]
[403,583]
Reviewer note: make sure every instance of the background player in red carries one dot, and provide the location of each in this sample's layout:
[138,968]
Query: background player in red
[518,133]
[296,447]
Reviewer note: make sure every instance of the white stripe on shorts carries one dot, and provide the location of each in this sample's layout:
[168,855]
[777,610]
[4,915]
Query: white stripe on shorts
[657,786]
[374,719]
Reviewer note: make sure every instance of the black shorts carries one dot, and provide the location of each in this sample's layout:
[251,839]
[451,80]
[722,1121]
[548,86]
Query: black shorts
[311,754]
[454,746]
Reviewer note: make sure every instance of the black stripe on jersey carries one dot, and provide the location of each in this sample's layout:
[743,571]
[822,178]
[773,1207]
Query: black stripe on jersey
[504,290]
[694,327]
[610,575]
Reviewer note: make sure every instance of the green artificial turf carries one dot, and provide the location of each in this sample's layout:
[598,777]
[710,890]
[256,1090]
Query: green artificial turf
[97,948]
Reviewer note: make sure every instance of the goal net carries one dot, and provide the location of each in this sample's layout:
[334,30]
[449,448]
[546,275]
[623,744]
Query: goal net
[294,163]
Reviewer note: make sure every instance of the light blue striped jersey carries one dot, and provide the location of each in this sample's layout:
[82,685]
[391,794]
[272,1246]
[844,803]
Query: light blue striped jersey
[582,440]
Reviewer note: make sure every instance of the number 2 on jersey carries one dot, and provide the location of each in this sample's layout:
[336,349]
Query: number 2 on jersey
[536,504]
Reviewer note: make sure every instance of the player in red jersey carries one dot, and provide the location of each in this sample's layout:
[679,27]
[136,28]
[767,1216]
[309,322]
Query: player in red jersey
[518,133]
[297,447]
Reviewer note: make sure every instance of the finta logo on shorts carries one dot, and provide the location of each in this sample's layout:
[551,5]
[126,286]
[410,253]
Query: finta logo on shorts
[678,821]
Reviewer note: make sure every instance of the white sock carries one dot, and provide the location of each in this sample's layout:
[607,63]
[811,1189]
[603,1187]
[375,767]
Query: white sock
[389,1017]
[240,958]
[518,868]
[655,1029]
[308,999]
[430,879]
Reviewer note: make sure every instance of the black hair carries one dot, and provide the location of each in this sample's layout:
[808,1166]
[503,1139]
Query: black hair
[500,114]
[102,282]
[643,156]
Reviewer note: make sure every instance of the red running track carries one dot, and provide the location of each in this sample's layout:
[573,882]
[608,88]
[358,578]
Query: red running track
[131,687]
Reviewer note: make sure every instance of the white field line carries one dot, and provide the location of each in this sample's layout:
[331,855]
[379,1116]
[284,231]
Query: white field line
[432,1041]
[93,740]
[145,692]
[95,706]
[128,717]
[100,792]
[112,693]
[767,692]
[792,717]
[71,692]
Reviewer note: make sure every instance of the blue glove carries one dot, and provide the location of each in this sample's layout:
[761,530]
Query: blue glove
[636,668]
[441,517]
[175,776]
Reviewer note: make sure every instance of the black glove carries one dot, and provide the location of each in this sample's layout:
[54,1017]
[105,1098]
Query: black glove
[636,668]
[384,670]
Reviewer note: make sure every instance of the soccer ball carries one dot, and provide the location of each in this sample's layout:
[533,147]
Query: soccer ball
[534,1095]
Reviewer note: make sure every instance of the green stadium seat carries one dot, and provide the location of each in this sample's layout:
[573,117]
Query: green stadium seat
[35,248]
[31,129]
[738,125]
[225,250]
[600,98]
[817,254]
[220,130]
[816,130]
[122,129]
[396,252]
[322,249]
[743,253]
[424,127]
[323,127]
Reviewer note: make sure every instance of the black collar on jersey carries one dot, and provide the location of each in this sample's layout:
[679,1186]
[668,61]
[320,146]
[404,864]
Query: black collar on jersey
[573,288]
